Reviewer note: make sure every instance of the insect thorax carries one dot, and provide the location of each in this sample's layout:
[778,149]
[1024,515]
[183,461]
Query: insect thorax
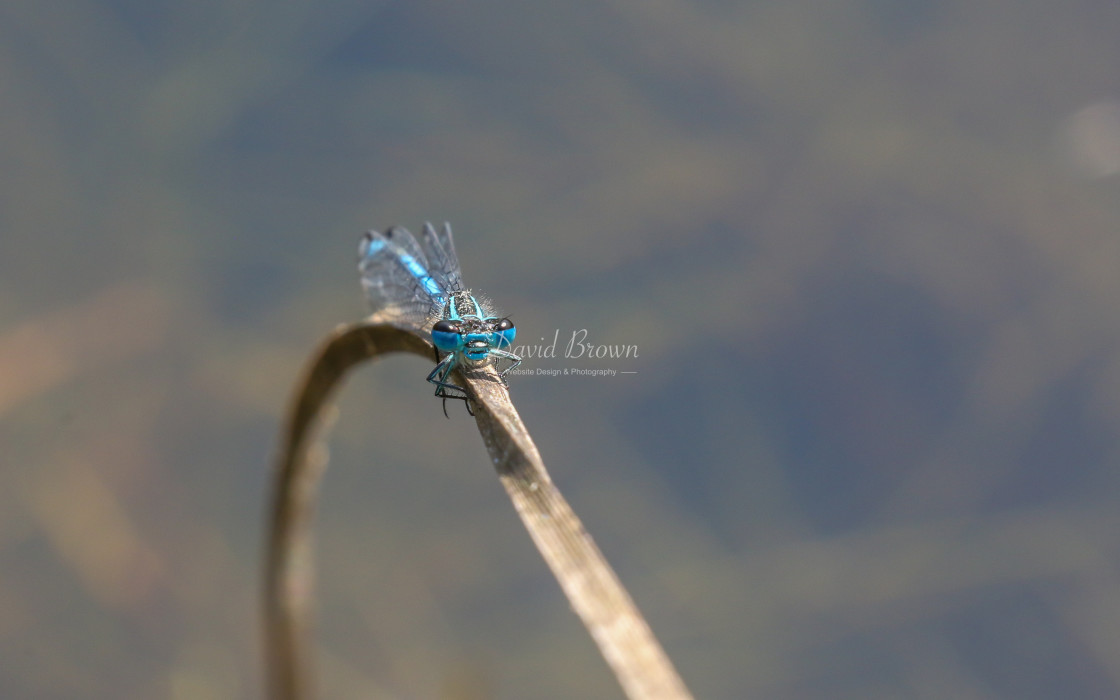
[462,306]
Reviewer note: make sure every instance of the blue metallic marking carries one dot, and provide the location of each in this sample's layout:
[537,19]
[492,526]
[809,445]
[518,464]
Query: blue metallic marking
[369,247]
[421,274]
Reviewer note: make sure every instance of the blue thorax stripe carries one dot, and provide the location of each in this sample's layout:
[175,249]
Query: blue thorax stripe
[454,307]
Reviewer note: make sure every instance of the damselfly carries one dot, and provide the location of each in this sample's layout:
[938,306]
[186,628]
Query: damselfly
[417,285]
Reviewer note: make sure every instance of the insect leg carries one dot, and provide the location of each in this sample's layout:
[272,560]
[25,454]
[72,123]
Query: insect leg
[514,359]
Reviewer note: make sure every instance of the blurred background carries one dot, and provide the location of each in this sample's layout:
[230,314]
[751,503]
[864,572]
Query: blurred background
[868,252]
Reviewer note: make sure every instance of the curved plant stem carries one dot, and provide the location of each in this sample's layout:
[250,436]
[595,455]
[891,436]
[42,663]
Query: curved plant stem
[595,593]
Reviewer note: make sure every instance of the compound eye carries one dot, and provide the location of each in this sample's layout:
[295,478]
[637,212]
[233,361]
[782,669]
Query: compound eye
[502,333]
[448,335]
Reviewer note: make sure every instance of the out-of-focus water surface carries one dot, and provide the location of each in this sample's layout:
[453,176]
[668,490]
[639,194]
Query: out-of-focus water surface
[869,254]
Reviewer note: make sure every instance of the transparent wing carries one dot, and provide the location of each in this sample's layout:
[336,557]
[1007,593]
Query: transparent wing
[443,262]
[403,239]
[395,278]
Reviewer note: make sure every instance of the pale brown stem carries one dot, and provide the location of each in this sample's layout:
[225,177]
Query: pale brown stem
[595,593]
